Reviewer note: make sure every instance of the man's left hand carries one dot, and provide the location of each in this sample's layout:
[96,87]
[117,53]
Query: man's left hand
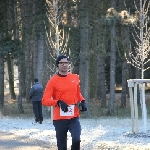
[83,106]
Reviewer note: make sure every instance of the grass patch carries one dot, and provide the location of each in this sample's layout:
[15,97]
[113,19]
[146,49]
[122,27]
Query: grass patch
[11,109]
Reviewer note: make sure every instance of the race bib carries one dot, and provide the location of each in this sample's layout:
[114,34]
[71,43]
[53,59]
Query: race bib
[70,111]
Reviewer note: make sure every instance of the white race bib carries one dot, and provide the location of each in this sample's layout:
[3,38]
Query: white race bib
[70,111]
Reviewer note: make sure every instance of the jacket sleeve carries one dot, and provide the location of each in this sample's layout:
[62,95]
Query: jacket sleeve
[47,99]
[79,95]
[31,92]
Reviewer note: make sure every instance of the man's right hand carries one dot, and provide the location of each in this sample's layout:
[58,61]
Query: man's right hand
[63,105]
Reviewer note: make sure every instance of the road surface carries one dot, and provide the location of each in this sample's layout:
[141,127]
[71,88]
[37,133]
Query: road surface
[9,141]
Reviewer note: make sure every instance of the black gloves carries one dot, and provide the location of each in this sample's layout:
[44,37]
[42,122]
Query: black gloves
[62,105]
[83,106]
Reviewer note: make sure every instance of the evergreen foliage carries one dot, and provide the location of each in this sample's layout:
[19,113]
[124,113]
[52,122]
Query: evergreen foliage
[10,47]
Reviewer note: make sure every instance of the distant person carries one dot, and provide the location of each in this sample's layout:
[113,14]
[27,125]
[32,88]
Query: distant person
[63,93]
[36,93]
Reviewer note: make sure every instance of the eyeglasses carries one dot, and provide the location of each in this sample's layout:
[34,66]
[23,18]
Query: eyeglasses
[63,63]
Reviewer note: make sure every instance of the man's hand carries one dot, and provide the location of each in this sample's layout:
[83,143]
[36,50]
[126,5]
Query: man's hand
[62,105]
[83,106]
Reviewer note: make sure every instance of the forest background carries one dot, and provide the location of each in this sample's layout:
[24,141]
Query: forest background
[97,35]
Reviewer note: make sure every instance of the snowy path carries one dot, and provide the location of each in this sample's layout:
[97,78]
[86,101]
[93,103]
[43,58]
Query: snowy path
[97,134]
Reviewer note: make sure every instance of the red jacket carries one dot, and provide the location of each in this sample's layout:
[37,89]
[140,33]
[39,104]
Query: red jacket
[62,88]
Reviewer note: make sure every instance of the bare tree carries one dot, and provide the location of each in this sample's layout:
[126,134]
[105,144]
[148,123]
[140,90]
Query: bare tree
[57,36]
[139,57]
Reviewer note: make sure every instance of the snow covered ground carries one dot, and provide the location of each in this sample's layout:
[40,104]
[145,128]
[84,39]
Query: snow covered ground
[100,133]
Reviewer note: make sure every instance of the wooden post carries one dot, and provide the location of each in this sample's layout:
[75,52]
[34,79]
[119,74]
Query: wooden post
[131,85]
[132,108]
[144,110]
[135,109]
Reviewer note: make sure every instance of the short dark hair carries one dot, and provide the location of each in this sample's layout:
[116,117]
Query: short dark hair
[36,80]
[59,58]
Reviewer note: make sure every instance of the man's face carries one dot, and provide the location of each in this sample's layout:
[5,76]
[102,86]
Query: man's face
[63,65]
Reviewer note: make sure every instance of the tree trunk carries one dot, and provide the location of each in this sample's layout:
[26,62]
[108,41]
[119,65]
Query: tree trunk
[1,85]
[26,26]
[41,47]
[3,29]
[84,62]
[20,61]
[11,77]
[35,44]
[138,76]
[101,81]
[10,17]
[21,81]
[112,66]
[124,84]
[126,48]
